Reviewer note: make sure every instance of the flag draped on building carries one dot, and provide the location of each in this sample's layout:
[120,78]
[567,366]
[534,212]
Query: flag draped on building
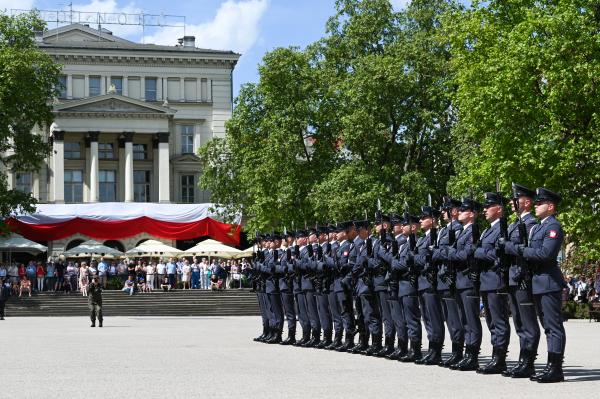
[117,220]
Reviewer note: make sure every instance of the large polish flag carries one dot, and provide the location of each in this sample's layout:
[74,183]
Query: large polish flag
[117,220]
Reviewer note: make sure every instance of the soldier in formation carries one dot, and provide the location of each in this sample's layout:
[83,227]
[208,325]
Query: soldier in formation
[339,282]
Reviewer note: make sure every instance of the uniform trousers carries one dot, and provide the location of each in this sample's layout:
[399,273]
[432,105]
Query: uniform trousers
[371,314]
[336,314]
[522,308]
[276,310]
[469,306]
[412,316]
[323,308]
[386,313]
[302,312]
[397,314]
[549,310]
[289,309]
[311,308]
[452,315]
[95,311]
[431,310]
[344,301]
[496,317]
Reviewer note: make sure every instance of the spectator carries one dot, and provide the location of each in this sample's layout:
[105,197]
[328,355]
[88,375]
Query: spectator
[171,272]
[129,286]
[21,272]
[582,290]
[204,274]
[165,286]
[13,273]
[195,274]
[150,272]
[60,276]
[4,295]
[122,271]
[112,269]
[186,271]
[25,286]
[92,271]
[102,272]
[140,273]
[3,272]
[72,275]
[131,270]
[161,270]
[236,277]
[84,279]
[179,264]
[40,273]
[30,271]
[50,275]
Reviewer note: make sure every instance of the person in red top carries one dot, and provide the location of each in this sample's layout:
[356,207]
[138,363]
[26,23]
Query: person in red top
[39,274]
[21,271]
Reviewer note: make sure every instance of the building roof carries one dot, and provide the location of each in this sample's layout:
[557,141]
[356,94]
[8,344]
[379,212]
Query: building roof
[78,36]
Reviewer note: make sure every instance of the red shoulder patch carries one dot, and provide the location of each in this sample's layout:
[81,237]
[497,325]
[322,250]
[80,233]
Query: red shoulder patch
[553,234]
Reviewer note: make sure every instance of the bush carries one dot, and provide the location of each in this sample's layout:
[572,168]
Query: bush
[114,283]
[574,310]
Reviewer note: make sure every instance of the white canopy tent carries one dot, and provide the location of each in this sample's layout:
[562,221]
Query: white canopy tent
[153,248]
[246,253]
[90,248]
[212,248]
[18,243]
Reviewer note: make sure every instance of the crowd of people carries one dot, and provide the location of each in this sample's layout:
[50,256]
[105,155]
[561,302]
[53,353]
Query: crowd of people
[134,276]
[583,289]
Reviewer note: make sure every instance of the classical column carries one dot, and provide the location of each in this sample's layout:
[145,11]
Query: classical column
[58,165]
[163,167]
[93,138]
[102,84]
[181,89]
[209,90]
[69,86]
[159,89]
[125,89]
[128,166]
[86,87]
[143,88]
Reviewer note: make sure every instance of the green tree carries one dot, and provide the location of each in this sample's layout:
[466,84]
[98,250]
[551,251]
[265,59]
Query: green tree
[28,78]
[363,113]
[527,77]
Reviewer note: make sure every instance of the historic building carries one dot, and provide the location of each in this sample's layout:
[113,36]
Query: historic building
[129,119]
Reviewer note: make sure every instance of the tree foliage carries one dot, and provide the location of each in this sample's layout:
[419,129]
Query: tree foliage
[27,81]
[527,78]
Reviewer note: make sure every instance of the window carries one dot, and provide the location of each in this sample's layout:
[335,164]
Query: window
[133,87]
[73,185]
[94,86]
[118,83]
[173,85]
[141,186]
[187,139]
[61,87]
[78,86]
[187,188]
[23,182]
[72,150]
[150,89]
[105,151]
[190,90]
[107,185]
[140,152]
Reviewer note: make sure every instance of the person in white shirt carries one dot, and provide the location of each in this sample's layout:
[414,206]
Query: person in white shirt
[150,271]
[204,274]
[161,270]
[186,271]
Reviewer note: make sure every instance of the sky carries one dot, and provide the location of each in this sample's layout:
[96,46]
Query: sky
[249,27]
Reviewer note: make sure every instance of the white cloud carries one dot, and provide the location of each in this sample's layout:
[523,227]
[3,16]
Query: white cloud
[16,4]
[399,4]
[234,27]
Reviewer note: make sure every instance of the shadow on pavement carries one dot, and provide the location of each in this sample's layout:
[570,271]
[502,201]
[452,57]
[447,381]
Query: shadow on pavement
[579,374]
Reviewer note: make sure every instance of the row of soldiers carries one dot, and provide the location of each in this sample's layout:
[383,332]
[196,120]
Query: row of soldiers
[341,281]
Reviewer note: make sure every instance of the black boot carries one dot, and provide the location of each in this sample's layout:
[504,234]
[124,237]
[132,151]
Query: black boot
[498,363]
[508,372]
[276,338]
[263,335]
[326,340]
[388,349]
[305,338]
[470,362]
[414,354]
[429,355]
[270,334]
[291,338]
[555,371]
[375,347]
[93,323]
[316,338]
[527,367]
[348,345]
[337,341]
[362,345]
[436,354]
[100,322]
[400,352]
[457,355]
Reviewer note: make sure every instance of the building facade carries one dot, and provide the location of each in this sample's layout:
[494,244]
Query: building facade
[129,119]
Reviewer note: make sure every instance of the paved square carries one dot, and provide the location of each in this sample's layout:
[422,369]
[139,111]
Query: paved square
[152,357]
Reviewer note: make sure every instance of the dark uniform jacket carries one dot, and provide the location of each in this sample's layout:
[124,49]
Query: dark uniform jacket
[424,262]
[516,271]
[489,261]
[339,263]
[95,294]
[459,256]
[440,254]
[400,265]
[545,242]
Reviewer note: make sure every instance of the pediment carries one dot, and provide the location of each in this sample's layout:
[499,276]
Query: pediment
[182,158]
[112,103]
[77,33]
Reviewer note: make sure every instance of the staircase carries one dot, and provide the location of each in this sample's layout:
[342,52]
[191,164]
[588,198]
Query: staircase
[233,302]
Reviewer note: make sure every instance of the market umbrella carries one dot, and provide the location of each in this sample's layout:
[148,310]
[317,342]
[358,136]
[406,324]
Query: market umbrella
[212,248]
[90,248]
[18,243]
[246,253]
[153,248]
